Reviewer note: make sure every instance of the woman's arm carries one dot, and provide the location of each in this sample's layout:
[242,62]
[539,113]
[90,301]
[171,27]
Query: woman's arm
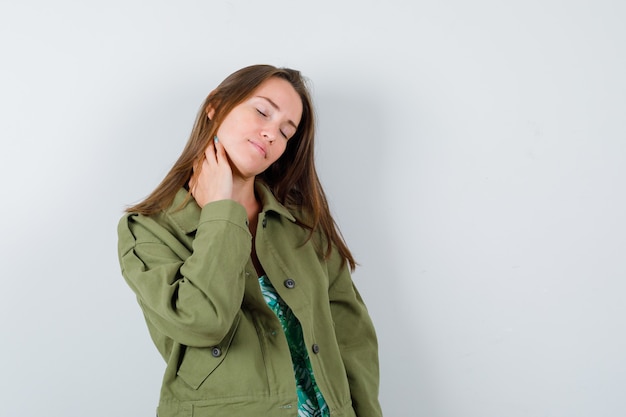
[357,339]
[194,297]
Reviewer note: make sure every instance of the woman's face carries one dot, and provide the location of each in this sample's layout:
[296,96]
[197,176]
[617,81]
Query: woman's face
[255,132]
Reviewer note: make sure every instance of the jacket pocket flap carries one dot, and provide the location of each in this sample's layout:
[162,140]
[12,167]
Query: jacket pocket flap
[199,363]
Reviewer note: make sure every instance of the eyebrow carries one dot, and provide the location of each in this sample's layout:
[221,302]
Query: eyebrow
[277,108]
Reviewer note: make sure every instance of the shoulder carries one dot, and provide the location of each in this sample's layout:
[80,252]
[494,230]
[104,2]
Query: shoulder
[176,222]
[134,228]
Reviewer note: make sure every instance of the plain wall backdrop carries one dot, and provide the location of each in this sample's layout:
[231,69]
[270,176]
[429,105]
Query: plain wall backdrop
[474,154]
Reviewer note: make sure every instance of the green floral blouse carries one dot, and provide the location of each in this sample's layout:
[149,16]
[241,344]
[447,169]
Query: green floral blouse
[310,400]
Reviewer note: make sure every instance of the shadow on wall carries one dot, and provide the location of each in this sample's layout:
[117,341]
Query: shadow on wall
[351,158]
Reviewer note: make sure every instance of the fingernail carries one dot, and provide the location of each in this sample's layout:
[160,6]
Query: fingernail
[215,139]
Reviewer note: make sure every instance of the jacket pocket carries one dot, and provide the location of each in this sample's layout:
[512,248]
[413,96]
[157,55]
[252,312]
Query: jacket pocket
[199,363]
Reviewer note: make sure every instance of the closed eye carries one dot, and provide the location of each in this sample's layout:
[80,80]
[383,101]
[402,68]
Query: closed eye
[261,113]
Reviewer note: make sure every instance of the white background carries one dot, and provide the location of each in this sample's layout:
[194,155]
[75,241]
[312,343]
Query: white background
[474,154]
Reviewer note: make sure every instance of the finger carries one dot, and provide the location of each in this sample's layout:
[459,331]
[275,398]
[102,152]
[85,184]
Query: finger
[220,152]
[209,152]
[192,185]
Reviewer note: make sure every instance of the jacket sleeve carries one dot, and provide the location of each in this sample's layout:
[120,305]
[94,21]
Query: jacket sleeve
[190,298]
[357,339]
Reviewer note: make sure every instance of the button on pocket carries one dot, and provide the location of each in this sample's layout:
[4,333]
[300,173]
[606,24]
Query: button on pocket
[198,363]
[216,352]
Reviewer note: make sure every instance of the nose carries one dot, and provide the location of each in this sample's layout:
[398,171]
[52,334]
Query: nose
[270,132]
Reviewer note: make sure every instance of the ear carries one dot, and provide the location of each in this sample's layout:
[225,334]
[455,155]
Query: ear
[210,111]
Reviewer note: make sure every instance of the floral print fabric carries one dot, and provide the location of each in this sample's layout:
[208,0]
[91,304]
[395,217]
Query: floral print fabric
[310,400]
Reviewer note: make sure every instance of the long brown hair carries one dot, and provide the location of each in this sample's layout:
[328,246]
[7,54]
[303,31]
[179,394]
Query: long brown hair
[292,178]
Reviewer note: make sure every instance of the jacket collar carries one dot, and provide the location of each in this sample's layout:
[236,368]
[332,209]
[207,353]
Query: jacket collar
[186,215]
[269,202]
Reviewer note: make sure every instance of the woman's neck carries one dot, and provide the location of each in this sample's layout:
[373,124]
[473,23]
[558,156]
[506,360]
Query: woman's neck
[243,193]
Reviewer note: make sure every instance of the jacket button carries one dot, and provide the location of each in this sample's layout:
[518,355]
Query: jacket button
[264,222]
[315,348]
[289,283]
[216,352]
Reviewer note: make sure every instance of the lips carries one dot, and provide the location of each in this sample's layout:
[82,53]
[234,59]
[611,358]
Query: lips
[259,147]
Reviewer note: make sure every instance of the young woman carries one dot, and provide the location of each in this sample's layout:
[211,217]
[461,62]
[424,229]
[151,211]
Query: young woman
[242,276]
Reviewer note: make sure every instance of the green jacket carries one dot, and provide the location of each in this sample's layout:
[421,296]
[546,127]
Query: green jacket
[225,350]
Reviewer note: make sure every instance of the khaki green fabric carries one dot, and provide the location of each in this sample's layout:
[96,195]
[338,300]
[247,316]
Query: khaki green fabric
[225,351]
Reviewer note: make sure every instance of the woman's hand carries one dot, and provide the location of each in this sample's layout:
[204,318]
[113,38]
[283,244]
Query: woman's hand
[212,180]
